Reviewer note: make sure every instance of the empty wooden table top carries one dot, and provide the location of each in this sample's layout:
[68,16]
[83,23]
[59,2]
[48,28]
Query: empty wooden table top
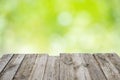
[63,67]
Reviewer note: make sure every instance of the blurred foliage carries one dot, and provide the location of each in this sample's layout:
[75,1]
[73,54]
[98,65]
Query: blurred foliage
[55,26]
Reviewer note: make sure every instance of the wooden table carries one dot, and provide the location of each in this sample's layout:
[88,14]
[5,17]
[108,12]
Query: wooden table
[63,67]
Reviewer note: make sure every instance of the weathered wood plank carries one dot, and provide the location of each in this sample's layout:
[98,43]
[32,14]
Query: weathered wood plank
[39,68]
[65,67]
[93,67]
[26,67]
[108,68]
[12,67]
[73,67]
[52,69]
[115,59]
[4,60]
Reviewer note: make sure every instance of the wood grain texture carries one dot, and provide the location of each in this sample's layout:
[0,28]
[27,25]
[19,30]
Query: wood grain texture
[115,59]
[39,68]
[63,67]
[4,60]
[12,67]
[93,67]
[108,68]
[73,67]
[26,67]
[52,69]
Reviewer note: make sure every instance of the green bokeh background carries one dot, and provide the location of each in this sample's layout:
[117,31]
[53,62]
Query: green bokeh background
[57,26]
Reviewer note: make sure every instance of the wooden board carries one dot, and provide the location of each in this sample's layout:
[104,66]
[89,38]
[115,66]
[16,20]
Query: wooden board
[108,68]
[93,67]
[26,67]
[63,67]
[12,67]
[115,59]
[52,69]
[4,60]
[73,67]
[39,68]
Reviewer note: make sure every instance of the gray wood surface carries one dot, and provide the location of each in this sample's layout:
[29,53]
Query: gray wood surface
[108,68]
[52,69]
[63,67]
[26,67]
[114,58]
[11,68]
[73,67]
[4,60]
[39,68]
[93,67]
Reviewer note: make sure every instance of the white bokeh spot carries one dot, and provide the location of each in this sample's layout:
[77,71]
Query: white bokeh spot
[2,22]
[65,18]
